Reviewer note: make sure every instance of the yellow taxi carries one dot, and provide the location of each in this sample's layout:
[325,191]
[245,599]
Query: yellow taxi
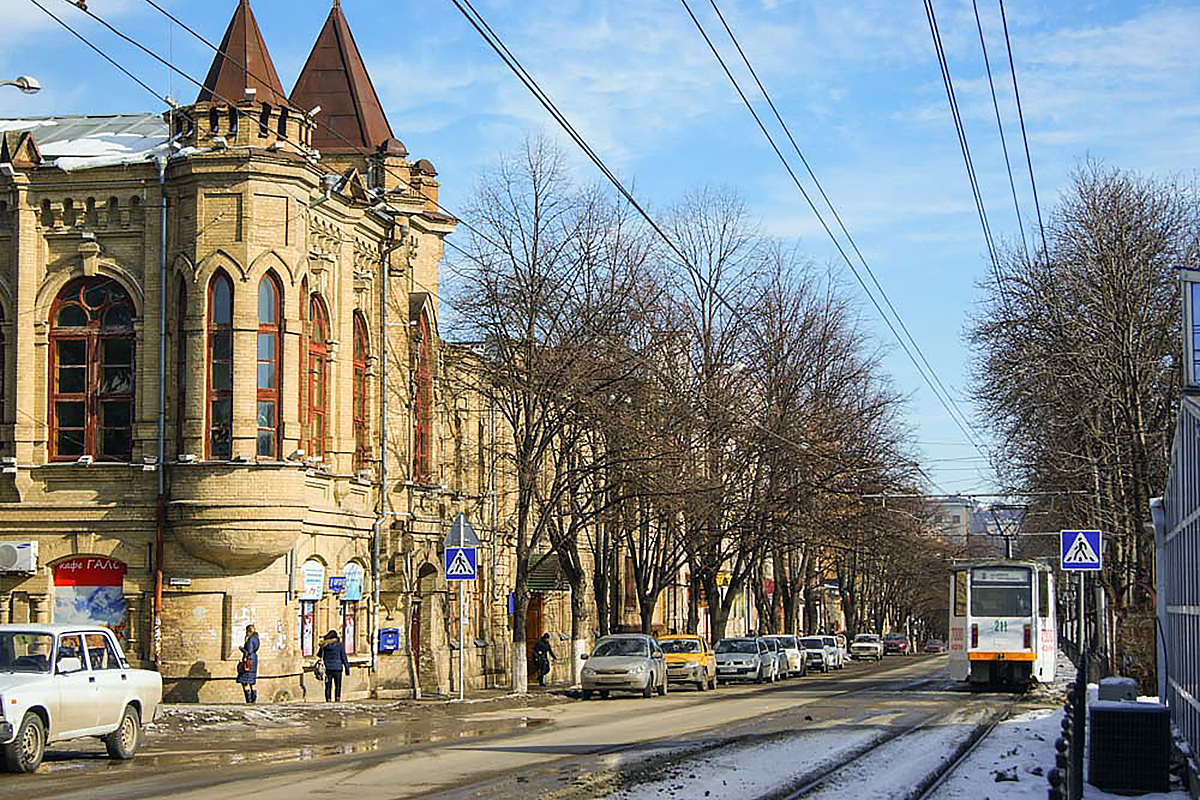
[690,659]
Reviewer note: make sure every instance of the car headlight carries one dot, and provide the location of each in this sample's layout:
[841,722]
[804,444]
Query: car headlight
[639,669]
[691,664]
[589,671]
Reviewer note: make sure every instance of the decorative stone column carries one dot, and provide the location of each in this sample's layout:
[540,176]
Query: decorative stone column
[39,611]
[5,608]
[133,639]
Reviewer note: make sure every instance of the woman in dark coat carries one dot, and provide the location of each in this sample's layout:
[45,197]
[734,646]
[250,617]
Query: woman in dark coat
[333,655]
[248,666]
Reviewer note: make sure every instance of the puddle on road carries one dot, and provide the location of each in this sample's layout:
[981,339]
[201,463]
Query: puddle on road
[320,739]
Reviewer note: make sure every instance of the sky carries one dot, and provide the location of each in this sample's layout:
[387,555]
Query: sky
[857,82]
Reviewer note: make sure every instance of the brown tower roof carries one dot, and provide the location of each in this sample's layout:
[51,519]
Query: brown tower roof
[335,78]
[243,63]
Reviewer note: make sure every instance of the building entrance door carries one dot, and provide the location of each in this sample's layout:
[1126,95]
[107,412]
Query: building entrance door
[534,626]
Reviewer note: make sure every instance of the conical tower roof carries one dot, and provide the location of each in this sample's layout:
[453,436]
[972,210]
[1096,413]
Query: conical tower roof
[243,63]
[335,78]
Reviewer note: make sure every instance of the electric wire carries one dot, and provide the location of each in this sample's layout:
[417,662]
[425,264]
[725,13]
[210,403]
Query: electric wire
[1024,138]
[945,403]
[1012,184]
[821,189]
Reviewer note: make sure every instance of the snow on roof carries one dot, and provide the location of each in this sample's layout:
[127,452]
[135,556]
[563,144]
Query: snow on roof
[82,142]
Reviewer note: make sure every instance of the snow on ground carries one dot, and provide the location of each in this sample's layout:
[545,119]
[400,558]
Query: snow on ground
[747,771]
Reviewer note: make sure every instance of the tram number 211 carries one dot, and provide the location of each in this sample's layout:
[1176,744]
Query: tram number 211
[1000,625]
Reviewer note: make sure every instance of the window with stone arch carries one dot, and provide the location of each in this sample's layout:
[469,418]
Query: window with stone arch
[359,412]
[91,371]
[270,301]
[219,442]
[318,376]
[422,398]
[3,366]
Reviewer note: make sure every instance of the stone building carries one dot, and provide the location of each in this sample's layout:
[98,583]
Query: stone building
[208,319]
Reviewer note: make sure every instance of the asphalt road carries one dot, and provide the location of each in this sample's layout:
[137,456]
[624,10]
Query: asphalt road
[563,749]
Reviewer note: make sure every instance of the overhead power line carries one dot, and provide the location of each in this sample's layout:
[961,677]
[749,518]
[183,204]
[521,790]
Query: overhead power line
[930,378]
[1024,138]
[1012,184]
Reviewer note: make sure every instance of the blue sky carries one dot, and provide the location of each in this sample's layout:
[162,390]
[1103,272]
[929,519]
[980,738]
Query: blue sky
[858,83]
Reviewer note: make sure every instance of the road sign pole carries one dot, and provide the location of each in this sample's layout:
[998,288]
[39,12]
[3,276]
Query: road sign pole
[462,623]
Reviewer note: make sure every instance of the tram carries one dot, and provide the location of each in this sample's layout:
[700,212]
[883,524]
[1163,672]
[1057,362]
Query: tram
[1002,626]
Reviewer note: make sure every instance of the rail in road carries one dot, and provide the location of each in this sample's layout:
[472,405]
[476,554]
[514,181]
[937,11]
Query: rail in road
[577,740]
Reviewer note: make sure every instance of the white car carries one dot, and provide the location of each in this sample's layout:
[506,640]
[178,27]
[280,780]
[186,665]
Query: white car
[816,654]
[61,682]
[867,645]
[795,657]
[837,655]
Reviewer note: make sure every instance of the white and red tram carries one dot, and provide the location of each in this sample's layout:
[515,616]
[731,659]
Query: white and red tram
[1002,622]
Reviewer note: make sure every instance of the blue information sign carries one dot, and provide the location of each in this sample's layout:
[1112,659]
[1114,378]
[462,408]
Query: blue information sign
[1080,550]
[460,563]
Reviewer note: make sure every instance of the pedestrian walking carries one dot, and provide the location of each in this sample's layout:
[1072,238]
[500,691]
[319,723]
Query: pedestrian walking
[542,653]
[248,666]
[333,655]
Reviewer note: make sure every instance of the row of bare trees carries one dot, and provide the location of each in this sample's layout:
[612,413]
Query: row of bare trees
[706,409]
[1078,371]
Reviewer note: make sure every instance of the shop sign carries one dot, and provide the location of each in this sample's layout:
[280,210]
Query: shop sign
[354,582]
[312,580]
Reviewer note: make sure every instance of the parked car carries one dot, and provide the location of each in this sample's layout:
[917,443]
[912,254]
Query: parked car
[744,658]
[690,659]
[626,661]
[816,656]
[781,659]
[866,645]
[837,658]
[60,682]
[796,663]
[935,646]
[895,643]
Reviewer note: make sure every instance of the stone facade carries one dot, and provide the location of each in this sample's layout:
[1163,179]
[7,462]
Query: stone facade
[245,518]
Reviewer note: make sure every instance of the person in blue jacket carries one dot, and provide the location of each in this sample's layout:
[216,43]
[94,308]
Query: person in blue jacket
[333,655]
[248,666]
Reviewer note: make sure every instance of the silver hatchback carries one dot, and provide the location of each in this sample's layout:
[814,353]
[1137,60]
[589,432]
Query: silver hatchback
[631,662]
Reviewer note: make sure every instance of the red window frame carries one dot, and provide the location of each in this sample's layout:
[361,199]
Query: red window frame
[97,314]
[219,391]
[359,409]
[422,399]
[268,377]
[318,377]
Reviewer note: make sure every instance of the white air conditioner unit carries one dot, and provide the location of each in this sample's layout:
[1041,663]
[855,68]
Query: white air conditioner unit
[18,557]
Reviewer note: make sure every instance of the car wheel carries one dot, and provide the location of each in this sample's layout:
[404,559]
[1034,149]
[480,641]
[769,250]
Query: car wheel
[24,753]
[702,684]
[649,690]
[662,688]
[123,743]
[586,694]
[713,683]
[604,694]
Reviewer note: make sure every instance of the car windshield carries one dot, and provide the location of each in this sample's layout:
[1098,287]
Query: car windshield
[737,646]
[622,647]
[22,651]
[935,642]
[894,637]
[787,642]
[679,646]
[866,637]
[812,642]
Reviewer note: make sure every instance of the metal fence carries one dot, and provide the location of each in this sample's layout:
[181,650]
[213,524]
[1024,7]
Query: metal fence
[1177,540]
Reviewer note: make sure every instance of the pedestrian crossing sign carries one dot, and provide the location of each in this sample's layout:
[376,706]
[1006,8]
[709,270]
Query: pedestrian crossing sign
[1080,549]
[460,564]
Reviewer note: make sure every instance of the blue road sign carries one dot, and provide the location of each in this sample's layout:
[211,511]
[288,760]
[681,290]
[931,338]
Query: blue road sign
[460,563]
[1080,549]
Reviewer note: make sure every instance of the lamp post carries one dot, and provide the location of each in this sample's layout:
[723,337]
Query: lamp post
[26,83]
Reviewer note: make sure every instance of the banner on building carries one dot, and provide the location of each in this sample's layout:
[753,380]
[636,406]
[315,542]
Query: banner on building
[88,589]
[312,580]
[354,582]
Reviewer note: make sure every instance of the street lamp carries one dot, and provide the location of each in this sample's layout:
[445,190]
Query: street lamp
[26,83]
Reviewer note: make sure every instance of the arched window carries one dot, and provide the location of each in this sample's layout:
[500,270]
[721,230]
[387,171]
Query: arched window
[91,369]
[422,399]
[361,345]
[220,367]
[3,364]
[268,366]
[181,372]
[318,374]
